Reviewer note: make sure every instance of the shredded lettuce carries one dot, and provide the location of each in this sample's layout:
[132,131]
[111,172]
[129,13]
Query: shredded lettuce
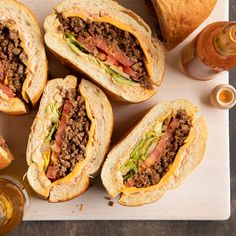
[52,111]
[78,48]
[141,151]
[51,134]
[74,44]
[53,114]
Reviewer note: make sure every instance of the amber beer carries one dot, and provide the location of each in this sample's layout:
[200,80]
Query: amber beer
[211,52]
[13,201]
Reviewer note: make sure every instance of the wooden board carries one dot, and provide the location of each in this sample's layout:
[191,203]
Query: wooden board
[205,194]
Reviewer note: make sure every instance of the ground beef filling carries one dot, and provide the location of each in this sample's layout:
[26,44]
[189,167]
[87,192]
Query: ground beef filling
[115,38]
[153,175]
[75,138]
[12,60]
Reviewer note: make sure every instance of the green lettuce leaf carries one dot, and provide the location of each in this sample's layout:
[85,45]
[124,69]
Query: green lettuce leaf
[53,114]
[141,151]
[52,111]
[52,133]
[74,44]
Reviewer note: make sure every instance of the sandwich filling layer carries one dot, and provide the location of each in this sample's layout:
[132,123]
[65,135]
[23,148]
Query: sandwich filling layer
[13,61]
[153,156]
[66,142]
[116,50]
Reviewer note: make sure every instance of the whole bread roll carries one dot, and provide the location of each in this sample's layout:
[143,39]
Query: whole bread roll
[23,67]
[69,138]
[90,51]
[179,18]
[156,155]
[5,154]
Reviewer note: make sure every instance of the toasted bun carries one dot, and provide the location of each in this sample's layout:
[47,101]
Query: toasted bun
[179,18]
[26,25]
[187,158]
[110,12]
[100,113]
[5,154]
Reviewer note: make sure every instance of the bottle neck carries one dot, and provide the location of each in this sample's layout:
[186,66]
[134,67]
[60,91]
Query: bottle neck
[225,40]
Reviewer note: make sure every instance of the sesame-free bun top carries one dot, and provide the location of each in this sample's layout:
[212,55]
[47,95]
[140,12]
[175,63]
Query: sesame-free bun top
[179,18]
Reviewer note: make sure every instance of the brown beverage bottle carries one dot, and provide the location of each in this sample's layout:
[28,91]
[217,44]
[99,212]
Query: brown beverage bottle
[211,52]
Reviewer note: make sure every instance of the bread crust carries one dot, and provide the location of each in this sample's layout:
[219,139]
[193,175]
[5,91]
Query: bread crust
[110,12]
[99,112]
[6,156]
[187,158]
[26,24]
[179,18]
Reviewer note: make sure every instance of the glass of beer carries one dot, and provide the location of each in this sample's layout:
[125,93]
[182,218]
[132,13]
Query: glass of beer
[14,200]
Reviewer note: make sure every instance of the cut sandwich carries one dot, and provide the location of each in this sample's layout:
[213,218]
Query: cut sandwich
[23,64]
[69,138]
[5,154]
[108,43]
[156,155]
[179,18]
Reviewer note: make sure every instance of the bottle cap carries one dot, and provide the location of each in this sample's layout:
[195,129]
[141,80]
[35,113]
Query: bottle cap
[223,96]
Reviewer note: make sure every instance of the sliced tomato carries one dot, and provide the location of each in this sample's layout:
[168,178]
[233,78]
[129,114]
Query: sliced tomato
[131,72]
[130,182]
[113,51]
[155,156]
[112,61]
[62,126]
[7,90]
[52,173]
[88,44]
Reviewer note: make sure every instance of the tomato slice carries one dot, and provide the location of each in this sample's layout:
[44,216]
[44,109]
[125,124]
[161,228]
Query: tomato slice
[155,156]
[52,173]
[7,91]
[112,51]
[62,126]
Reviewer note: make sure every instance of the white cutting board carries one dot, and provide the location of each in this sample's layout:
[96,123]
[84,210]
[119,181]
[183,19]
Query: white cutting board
[205,194]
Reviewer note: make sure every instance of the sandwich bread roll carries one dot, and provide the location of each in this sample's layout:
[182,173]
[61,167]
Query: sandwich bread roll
[69,138]
[108,43]
[156,155]
[179,18]
[23,64]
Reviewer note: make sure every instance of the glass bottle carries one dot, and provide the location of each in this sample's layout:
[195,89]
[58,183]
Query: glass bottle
[211,52]
[13,202]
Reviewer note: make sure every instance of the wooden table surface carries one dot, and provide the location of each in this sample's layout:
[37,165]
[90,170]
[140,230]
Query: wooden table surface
[69,228]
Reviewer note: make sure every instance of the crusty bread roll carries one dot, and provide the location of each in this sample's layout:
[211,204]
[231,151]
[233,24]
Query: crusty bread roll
[17,17]
[110,12]
[187,158]
[179,18]
[100,113]
[5,154]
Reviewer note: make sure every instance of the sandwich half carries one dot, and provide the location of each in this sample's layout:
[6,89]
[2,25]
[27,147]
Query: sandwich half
[179,18]
[69,138]
[110,44]
[23,64]
[156,155]
[5,154]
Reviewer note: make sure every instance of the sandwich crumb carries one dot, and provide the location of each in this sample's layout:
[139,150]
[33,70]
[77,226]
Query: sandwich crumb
[107,198]
[81,207]
[111,203]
